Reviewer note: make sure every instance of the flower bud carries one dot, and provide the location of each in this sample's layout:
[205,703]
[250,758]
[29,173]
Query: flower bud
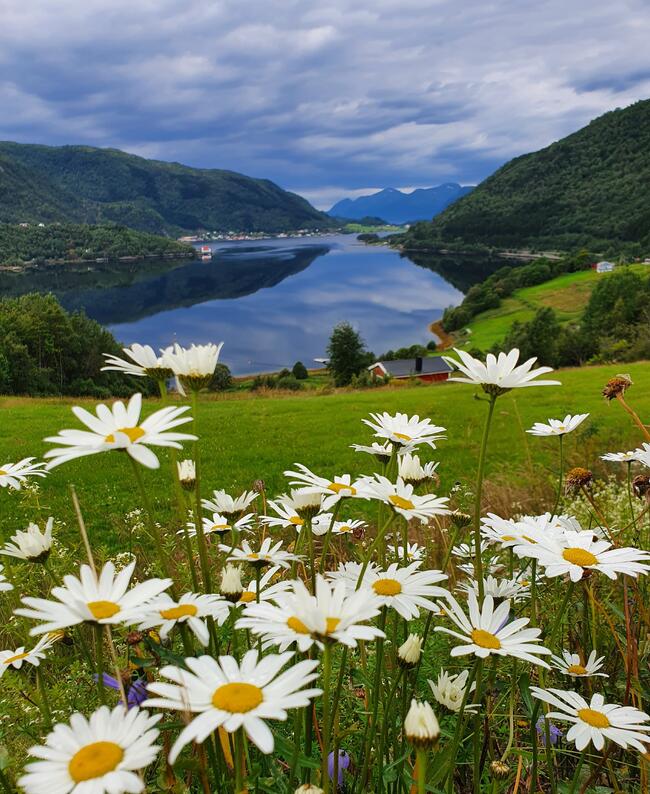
[231,584]
[408,654]
[187,474]
[421,726]
[309,788]
[499,770]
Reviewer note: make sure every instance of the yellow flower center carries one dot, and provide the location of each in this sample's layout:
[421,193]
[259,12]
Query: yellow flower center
[133,433]
[297,625]
[95,760]
[530,540]
[400,501]
[246,597]
[179,611]
[580,557]
[594,718]
[15,658]
[331,624]
[237,697]
[576,669]
[403,436]
[508,537]
[337,487]
[387,587]
[2,472]
[296,521]
[103,609]
[345,528]
[485,640]
[219,527]
[254,556]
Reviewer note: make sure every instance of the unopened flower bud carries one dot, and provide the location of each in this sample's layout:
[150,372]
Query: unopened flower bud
[460,519]
[499,770]
[421,726]
[616,386]
[231,584]
[408,654]
[187,474]
[578,478]
[309,788]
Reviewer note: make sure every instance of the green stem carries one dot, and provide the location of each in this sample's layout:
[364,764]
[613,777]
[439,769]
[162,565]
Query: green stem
[478,562]
[373,546]
[44,702]
[375,698]
[478,737]
[327,671]
[99,662]
[312,558]
[297,729]
[200,534]
[326,541]
[576,777]
[4,782]
[460,720]
[240,773]
[384,730]
[422,770]
[560,477]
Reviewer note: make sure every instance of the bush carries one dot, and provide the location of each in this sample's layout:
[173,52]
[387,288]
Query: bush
[299,371]
[289,383]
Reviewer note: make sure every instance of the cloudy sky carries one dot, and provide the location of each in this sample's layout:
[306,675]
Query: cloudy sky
[326,97]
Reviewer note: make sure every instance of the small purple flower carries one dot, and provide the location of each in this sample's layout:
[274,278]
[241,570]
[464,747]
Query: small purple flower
[135,694]
[553,732]
[344,763]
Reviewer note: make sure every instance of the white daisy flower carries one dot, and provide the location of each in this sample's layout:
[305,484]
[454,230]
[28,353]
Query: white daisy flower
[487,631]
[578,552]
[449,690]
[406,589]
[143,362]
[642,454]
[411,553]
[334,613]
[219,525]
[413,472]
[499,375]
[13,475]
[595,721]
[571,664]
[231,695]
[381,452]
[405,431]
[468,550]
[191,608]
[557,427]
[194,366]
[266,554]
[120,428]
[421,727]
[331,490]
[512,589]
[491,568]
[105,599]
[232,507]
[100,755]
[620,457]
[509,532]
[30,545]
[5,585]
[18,657]
[403,500]
[349,572]
[268,589]
[293,509]
[321,524]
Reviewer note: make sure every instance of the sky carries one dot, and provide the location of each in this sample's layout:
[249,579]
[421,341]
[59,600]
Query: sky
[329,98]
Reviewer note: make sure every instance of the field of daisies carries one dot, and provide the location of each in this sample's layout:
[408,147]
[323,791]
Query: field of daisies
[282,643]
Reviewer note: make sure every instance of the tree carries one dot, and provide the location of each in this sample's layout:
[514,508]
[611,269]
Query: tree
[539,337]
[347,354]
[299,371]
[222,378]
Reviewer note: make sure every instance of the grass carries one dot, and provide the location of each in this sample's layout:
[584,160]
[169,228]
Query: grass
[247,438]
[567,295]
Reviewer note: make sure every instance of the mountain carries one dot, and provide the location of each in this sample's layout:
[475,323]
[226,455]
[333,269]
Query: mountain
[83,184]
[588,189]
[394,206]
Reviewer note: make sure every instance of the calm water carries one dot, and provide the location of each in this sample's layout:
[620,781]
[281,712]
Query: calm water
[272,302]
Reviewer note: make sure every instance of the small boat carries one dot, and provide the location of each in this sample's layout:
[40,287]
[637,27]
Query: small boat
[205,249]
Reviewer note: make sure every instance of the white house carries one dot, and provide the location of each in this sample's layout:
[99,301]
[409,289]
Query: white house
[604,267]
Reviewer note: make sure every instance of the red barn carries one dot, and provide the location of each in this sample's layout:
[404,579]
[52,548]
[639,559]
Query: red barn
[429,369]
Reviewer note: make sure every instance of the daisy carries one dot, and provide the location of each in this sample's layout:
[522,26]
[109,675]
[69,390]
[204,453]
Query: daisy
[499,589]
[4,584]
[407,589]
[405,431]
[331,490]
[268,589]
[194,366]
[578,552]
[642,454]
[31,545]
[403,500]
[12,475]
[322,522]
[231,507]
[449,690]
[100,755]
[143,362]
[557,427]
[231,695]
[381,452]
[468,550]
[335,613]
[620,457]
[219,525]
[292,510]
[595,721]
[16,658]
[104,599]
[421,727]
[571,664]
[410,553]
[487,631]
[119,427]
[413,472]
[499,375]
[164,613]
[350,572]
[267,554]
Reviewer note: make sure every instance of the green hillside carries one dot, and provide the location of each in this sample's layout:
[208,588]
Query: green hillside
[88,185]
[588,189]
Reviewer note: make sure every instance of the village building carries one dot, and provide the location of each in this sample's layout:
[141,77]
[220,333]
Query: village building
[429,369]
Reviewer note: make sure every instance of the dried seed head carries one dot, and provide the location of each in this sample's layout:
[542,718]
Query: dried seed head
[616,386]
[460,519]
[499,770]
[134,637]
[641,485]
[577,478]
[259,486]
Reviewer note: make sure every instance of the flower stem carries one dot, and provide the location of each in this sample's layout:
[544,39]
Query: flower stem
[560,476]
[422,770]
[99,662]
[478,562]
[44,702]
[240,764]
[200,534]
[327,671]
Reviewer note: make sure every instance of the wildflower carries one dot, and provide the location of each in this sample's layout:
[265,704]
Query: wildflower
[616,386]
[557,427]
[343,766]
[186,474]
[449,690]
[413,472]
[571,664]
[595,721]
[292,510]
[408,654]
[406,432]
[136,691]
[194,366]
[499,589]
[18,657]
[411,552]
[421,727]
[333,614]
[266,555]
[406,589]
[321,524]
[381,452]
[499,375]
[459,519]
[218,525]
[120,428]
[499,770]
[231,507]
[13,475]
[100,755]
[620,457]
[144,362]
[268,591]
[31,545]
[554,733]
[577,478]
[488,631]
[468,550]
[231,584]
[5,585]
[102,599]
[403,500]
[231,695]
[164,613]
[332,491]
